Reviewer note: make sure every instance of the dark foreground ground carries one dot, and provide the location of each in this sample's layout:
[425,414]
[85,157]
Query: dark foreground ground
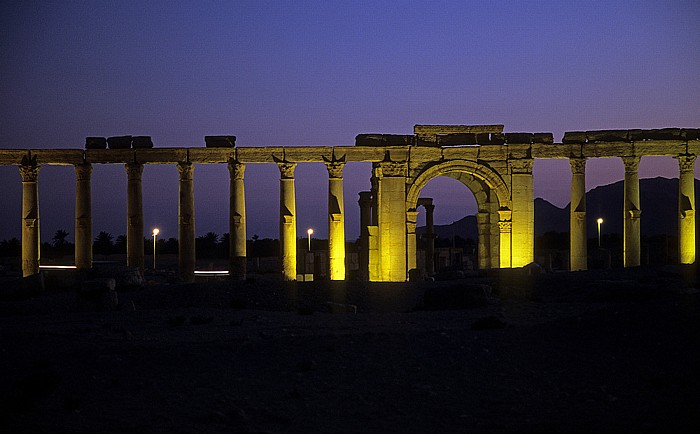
[581,352]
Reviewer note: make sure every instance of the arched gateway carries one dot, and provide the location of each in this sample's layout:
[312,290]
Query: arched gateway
[495,166]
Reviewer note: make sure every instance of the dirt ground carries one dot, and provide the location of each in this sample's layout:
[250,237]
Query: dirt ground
[570,352]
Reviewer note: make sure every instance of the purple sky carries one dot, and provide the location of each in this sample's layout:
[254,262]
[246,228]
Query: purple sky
[318,73]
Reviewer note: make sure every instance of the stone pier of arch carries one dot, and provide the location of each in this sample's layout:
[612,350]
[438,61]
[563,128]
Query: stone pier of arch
[495,166]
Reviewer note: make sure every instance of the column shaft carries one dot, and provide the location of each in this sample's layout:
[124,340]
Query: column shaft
[686,209]
[365,203]
[288,223]
[30,218]
[185,222]
[577,218]
[391,219]
[632,210]
[237,222]
[336,222]
[429,240]
[523,235]
[83,216]
[411,248]
[134,214]
[484,256]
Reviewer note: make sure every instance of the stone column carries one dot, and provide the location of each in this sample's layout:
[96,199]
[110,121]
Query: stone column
[632,209]
[237,223]
[391,219]
[686,209]
[288,222]
[505,229]
[482,222]
[134,214]
[185,222]
[365,203]
[429,239]
[523,236]
[374,189]
[83,216]
[336,221]
[29,171]
[577,218]
[411,249]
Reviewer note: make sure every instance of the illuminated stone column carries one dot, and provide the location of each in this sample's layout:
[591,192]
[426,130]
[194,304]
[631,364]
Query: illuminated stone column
[134,214]
[577,218]
[365,203]
[632,209]
[83,216]
[185,222]
[505,228]
[29,171]
[411,246]
[237,222]
[288,222]
[336,221]
[374,182]
[686,209]
[522,195]
[483,228]
[391,219]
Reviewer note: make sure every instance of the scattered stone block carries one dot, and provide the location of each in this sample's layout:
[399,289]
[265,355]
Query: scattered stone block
[141,142]
[607,136]
[519,138]
[341,307]
[95,143]
[458,139]
[99,293]
[384,140]
[119,142]
[546,138]
[220,141]
[574,137]
[662,134]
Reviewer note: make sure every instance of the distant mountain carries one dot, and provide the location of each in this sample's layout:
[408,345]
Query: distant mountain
[659,202]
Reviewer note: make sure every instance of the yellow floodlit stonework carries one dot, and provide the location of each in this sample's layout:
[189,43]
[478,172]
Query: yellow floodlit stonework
[495,166]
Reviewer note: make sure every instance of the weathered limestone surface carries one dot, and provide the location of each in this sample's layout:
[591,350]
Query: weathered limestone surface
[495,166]
[29,171]
[237,222]
[633,211]
[577,220]
[83,216]
[185,222]
[134,215]
[288,222]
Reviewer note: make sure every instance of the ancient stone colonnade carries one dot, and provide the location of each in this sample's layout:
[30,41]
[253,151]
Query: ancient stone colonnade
[495,166]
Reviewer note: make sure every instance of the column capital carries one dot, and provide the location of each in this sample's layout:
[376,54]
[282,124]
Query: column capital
[335,169]
[287,170]
[505,227]
[686,163]
[523,166]
[236,169]
[83,172]
[29,172]
[134,170]
[365,198]
[578,165]
[185,170]
[631,164]
[390,169]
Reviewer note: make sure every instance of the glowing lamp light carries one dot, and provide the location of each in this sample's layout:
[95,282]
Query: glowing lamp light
[156,231]
[310,232]
[600,222]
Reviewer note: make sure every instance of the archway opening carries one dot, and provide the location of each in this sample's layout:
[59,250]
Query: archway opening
[454,231]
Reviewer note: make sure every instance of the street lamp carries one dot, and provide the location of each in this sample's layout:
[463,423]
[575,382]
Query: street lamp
[600,222]
[310,232]
[156,231]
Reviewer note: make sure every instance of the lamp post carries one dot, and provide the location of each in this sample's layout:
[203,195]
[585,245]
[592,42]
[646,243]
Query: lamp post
[310,232]
[600,222]
[156,231]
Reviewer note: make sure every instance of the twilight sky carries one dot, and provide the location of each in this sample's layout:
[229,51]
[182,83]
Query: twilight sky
[319,73]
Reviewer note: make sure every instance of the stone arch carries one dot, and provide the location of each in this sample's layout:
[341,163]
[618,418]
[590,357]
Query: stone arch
[493,201]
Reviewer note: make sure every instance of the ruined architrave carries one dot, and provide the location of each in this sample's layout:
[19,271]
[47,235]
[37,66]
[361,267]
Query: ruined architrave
[495,166]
